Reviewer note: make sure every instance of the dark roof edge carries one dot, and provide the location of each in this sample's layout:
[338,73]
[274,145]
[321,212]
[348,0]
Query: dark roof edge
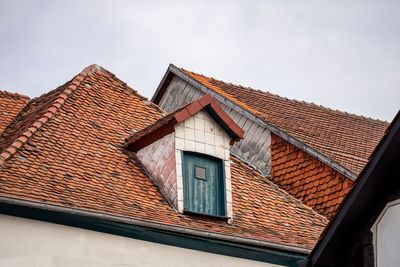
[173,70]
[166,79]
[149,224]
[351,198]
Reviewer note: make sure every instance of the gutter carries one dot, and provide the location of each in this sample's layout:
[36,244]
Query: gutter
[158,226]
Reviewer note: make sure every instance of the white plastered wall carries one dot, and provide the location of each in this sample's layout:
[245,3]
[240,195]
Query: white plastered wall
[30,243]
[386,231]
[202,134]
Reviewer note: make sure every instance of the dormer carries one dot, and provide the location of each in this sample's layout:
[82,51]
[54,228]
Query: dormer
[187,154]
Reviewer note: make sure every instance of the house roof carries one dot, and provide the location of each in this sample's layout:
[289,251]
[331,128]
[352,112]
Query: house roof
[377,184]
[10,105]
[166,124]
[65,149]
[344,138]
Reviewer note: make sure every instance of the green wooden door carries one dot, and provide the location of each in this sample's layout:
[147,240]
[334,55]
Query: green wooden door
[203,184]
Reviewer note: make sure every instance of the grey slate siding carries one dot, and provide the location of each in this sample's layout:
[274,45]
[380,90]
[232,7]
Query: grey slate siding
[255,146]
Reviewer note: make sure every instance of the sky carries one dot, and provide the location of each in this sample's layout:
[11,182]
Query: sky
[343,55]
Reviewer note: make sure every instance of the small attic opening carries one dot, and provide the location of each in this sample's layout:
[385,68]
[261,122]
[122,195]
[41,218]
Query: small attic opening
[203,184]
[187,154]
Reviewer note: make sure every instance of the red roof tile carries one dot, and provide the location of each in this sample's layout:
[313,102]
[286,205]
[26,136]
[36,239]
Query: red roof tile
[346,138]
[10,105]
[69,153]
[306,178]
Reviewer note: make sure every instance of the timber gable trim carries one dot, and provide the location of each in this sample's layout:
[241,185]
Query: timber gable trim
[166,125]
[173,70]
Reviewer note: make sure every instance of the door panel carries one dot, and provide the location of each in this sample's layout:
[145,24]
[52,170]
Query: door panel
[203,184]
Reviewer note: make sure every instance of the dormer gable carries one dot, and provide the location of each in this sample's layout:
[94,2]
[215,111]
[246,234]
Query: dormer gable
[187,154]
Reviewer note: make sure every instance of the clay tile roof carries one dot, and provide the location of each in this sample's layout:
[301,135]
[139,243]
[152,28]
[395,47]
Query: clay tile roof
[345,138]
[166,124]
[10,105]
[66,150]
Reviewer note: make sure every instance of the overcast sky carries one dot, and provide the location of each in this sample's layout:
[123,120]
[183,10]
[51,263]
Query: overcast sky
[341,54]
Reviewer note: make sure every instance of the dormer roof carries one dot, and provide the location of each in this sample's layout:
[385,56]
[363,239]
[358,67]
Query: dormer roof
[166,124]
[341,140]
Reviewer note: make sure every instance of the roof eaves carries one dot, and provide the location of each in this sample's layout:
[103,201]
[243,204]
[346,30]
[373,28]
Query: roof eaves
[150,224]
[21,140]
[149,134]
[250,114]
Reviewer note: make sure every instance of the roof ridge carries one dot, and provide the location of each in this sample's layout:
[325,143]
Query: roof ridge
[4,93]
[23,138]
[318,106]
[291,99]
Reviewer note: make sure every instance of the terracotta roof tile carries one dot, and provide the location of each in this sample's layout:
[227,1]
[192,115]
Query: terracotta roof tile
[345,138]
[75,159]
[306,178]
[36,113]
[10,105]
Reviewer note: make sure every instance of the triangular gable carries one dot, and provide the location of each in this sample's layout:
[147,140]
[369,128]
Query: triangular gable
[166,125]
